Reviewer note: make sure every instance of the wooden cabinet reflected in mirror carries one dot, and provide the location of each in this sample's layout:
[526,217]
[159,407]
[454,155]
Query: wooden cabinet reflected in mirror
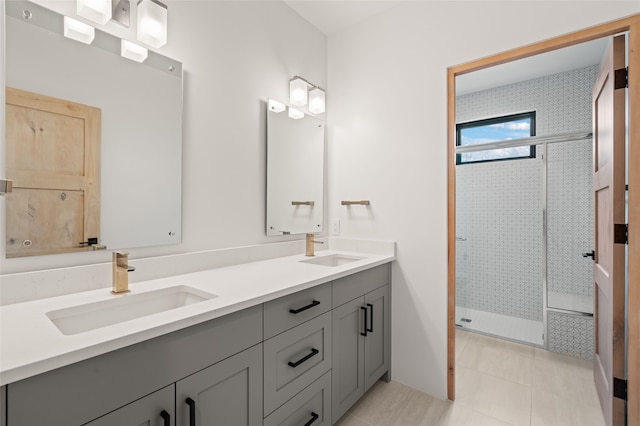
[53,158]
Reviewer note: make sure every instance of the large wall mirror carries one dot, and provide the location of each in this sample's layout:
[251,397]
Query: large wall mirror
[140,130]
[295,171]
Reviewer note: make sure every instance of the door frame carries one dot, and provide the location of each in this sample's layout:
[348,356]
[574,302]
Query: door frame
[632,25]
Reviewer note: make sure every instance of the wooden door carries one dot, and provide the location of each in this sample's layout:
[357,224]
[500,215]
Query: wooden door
[609,262]
[226,393]
[53,158]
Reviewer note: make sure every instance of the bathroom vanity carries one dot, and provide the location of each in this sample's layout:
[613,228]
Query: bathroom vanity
[298,347]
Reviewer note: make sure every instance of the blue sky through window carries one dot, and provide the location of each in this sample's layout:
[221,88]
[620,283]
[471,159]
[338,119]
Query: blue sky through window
[514,129]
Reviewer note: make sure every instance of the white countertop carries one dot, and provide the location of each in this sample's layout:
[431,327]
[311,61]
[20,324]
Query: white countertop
[31,344]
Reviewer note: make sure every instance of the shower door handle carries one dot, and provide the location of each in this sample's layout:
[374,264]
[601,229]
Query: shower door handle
[591,254]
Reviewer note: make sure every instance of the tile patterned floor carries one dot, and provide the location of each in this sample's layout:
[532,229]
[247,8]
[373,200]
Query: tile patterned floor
[498,383]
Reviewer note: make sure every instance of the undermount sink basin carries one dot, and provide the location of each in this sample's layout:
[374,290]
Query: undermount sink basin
[332,260]
[91,316]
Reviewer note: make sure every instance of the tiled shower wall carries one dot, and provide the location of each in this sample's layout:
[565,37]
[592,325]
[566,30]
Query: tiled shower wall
[500,263]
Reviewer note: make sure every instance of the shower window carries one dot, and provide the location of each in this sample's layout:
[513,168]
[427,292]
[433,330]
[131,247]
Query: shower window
[496,129]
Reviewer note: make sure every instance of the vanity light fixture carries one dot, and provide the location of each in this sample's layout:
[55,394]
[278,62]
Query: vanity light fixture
[133,51]
[78,31]
[316,100]
[152,23]
[295,114]
[302,91]
[98,11]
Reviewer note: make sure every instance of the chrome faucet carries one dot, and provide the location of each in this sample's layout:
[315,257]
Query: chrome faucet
[310,245]
[121,271]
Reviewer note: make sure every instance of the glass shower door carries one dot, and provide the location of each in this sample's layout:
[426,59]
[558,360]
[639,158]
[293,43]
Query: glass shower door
[499,249]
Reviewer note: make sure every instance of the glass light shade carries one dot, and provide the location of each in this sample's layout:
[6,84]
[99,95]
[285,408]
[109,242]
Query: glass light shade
[78,31]
[316,100]
[152,23]
[295,114]
[276,106]
[98,11]
[133,51]
[298,91]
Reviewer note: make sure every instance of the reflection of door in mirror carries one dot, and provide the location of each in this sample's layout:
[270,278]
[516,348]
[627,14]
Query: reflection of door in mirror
[53,158]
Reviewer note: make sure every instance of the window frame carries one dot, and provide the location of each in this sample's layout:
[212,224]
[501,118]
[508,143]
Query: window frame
[531,115]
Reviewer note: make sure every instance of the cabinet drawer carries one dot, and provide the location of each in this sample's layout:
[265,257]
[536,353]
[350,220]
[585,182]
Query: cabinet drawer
[310,407]
[290,311]
[295,359]
[348,288]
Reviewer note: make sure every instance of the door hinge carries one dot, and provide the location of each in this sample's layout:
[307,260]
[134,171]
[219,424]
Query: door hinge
[621,80]
[619,388]
[621,233]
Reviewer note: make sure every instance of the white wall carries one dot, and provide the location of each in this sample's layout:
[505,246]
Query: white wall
[236,54]
[387,101]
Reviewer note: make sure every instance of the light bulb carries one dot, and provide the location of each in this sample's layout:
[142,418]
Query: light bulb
[298,92]
[316,100]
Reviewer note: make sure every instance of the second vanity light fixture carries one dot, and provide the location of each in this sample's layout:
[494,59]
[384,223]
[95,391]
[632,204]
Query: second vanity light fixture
[302,91]
[151,23]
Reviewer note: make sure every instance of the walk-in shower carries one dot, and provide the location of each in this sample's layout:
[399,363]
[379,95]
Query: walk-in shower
[524,226]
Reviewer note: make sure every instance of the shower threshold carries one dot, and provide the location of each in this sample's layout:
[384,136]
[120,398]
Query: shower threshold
[510,328]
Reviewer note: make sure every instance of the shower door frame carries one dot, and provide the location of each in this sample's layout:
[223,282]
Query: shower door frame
[632,25]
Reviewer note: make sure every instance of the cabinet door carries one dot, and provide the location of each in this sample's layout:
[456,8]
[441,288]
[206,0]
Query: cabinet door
[228,393]
[376,343]
[152,410]
[348,356]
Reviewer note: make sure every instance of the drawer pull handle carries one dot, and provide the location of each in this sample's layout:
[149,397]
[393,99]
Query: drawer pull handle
[166,417]
[192,411]
[314,417]
[366,327]
[300,361]
[304,308]
[370,329]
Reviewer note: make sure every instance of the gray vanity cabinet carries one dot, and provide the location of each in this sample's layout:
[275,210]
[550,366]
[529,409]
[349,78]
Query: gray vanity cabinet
[302,359]
[361,344]
[85,391]
[153,410]
[227,393]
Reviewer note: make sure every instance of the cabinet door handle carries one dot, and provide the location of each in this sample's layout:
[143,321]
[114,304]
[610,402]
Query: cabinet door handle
[300,361]
[192,411]
[370,329]
[364,333]
[304,308]
[314,417]
[166,417]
